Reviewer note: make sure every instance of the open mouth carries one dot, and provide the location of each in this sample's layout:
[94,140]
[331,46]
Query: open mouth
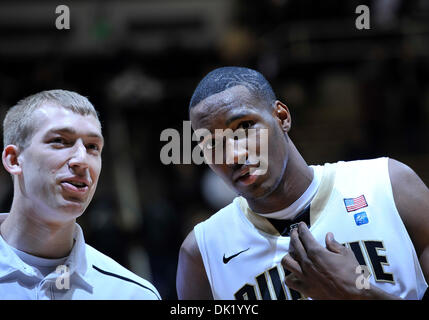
[245,177]
[74,186]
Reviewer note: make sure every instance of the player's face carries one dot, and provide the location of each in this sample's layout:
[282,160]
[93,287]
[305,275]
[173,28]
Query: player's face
[236,108]
[62,163]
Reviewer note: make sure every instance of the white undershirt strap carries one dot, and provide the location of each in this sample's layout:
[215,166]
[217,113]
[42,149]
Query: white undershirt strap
[300,203]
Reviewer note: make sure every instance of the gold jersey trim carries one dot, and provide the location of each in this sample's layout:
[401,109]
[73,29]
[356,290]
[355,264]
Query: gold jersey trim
[323,194]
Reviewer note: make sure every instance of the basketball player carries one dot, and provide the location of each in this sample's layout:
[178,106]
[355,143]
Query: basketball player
[346,230]
[52,149]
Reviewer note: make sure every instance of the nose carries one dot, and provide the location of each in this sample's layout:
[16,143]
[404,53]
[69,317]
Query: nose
[78,159]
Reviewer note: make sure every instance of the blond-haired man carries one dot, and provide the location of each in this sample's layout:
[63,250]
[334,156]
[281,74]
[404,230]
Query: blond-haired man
[52,149]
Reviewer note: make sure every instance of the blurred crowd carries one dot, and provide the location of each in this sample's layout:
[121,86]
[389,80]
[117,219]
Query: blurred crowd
[353,94]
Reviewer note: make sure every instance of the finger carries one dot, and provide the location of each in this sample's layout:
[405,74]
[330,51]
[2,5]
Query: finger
[296,249]
[312,247]
[292,265]
[332,245]
[291,251]
[293,282]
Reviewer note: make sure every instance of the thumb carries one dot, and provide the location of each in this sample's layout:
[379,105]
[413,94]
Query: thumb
[332,244]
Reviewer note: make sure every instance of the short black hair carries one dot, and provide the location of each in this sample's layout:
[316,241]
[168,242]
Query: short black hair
[224,78]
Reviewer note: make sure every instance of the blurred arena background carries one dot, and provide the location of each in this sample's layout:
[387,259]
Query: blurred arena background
[353,94]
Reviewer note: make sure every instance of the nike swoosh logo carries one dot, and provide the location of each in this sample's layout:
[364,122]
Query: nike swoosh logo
[226,260]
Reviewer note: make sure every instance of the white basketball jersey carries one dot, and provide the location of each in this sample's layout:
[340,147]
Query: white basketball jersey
[242,252]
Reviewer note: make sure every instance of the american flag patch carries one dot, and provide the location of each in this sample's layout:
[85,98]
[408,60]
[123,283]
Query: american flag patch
[353,204]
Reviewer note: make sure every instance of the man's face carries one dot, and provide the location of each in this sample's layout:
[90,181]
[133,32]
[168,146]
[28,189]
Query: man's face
[62,163]
[236,108]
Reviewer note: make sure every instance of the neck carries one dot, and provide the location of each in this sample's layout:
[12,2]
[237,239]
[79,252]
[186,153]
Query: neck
[29,232]
[296,179]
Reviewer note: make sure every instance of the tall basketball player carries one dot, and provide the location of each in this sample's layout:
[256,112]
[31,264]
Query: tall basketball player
[346,230]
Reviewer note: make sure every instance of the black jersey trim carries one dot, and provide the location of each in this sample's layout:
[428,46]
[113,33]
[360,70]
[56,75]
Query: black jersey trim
[125,279]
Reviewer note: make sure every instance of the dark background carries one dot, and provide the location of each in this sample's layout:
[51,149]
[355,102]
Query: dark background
[353,94]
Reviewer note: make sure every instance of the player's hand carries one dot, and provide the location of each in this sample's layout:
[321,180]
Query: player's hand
[318,272]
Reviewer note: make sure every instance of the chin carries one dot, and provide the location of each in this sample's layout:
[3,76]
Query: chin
[257,195]
[261,190]
[252,192]
[73,208]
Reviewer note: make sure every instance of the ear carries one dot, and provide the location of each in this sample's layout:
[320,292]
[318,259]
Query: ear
[282,114]
[10,160]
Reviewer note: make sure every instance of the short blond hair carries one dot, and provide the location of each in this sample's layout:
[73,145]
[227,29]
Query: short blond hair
[18,127]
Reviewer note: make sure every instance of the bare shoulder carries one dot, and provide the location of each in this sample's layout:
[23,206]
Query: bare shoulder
[190,247]
[406,186]
[401,174]
[191,279]
[411,197]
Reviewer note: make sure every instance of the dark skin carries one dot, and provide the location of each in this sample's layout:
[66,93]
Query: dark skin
[316,271]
